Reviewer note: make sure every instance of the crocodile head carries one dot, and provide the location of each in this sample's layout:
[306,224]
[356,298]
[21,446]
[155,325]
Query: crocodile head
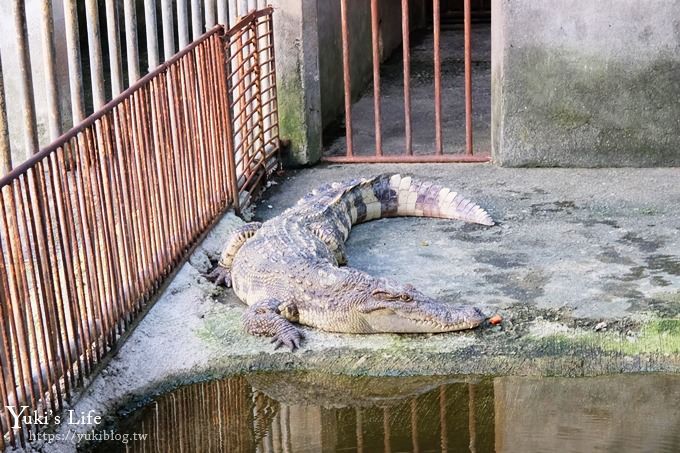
[403,309]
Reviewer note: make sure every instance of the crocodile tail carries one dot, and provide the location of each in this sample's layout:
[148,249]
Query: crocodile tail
[396,196]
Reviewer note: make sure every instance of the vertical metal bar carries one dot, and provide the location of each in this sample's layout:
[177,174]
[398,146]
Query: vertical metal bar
[468,78]
[472,419]
[42,284]
[222,13]
[209,9]
[5,147]
[436,20]
[53,113]
[346,76]
[17,294]
[112,34]
[74,61]
[95,53]
[414,426]
[182,23]
[231,153]
[196,19]
[444,437]
[406,45]
[168,29]
[375,42]
[131,40]
[359,429]
[71,237]
[26,85]
[387,438]
[151,33]
[21,296]
[258,92]
[7,367]
[66,258]
[232,12]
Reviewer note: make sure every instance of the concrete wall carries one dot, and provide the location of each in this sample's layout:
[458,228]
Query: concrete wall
[582,83]
[361,63]
[297,71]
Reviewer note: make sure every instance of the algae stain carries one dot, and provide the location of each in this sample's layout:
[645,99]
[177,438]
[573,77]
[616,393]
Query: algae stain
[669,264]
[659,336]
[569,117]
[220,328]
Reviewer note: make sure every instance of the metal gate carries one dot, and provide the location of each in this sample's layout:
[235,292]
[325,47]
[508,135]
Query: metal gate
[407,155]
[94,224]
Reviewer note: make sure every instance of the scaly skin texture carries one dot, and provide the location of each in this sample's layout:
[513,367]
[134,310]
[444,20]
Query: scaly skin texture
[288,269]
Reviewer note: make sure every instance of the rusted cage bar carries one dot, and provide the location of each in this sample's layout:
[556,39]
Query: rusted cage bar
[28,100]
[439,152]
[406,50]
[95,53]
[347,80]
[375,44]
[5,146]
[436,30]
[131,40]
[468,78]
[112,34]
[168,29]
[93,224]
[150,22]
[52,98]
[74,61]
[255,147]
[209,10]
[182,23]
[196,19]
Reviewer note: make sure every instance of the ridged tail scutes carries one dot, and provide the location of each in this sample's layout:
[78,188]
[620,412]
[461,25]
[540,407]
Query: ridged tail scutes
[425,199]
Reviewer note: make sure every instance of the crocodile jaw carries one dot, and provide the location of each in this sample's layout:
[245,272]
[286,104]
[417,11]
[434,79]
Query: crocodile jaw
[440,318]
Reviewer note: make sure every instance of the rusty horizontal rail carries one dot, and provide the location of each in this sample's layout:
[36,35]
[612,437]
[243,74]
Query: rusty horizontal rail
[92,224]
[413,159]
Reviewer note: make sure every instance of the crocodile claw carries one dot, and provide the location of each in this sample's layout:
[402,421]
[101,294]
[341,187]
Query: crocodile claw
[291,338]
[220,276]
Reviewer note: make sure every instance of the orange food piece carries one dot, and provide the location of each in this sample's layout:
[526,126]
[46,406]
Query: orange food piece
[495,319]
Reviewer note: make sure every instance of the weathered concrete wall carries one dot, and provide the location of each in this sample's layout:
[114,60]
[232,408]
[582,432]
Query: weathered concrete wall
[297,67]
[330,46]
[581,83]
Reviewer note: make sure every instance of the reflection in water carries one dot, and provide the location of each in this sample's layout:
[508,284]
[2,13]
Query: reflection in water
[312,412]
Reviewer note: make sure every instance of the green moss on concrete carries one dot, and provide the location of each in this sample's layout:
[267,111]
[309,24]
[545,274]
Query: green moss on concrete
[292,119]
[224,326]
[563,107]
[569,117]
[660,336]
[294,125]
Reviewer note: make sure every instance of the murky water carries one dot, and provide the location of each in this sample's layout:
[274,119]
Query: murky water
[303,412]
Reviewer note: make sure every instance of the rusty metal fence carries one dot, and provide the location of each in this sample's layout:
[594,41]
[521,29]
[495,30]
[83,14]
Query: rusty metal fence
[87,52]
[92,225]
[437,154]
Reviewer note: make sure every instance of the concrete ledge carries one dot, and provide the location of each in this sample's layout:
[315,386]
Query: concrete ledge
[587,84]
[584,268]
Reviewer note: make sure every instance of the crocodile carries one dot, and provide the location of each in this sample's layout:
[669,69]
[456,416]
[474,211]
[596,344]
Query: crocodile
[292,268]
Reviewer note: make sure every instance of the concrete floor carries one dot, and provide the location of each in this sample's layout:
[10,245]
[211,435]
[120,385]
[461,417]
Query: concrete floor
[584,268]
[422,98]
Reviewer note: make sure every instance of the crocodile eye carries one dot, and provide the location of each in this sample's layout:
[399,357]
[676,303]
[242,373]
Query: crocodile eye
[406,298]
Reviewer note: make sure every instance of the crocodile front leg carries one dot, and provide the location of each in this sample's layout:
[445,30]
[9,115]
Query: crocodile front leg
[266,319]
[221,275]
